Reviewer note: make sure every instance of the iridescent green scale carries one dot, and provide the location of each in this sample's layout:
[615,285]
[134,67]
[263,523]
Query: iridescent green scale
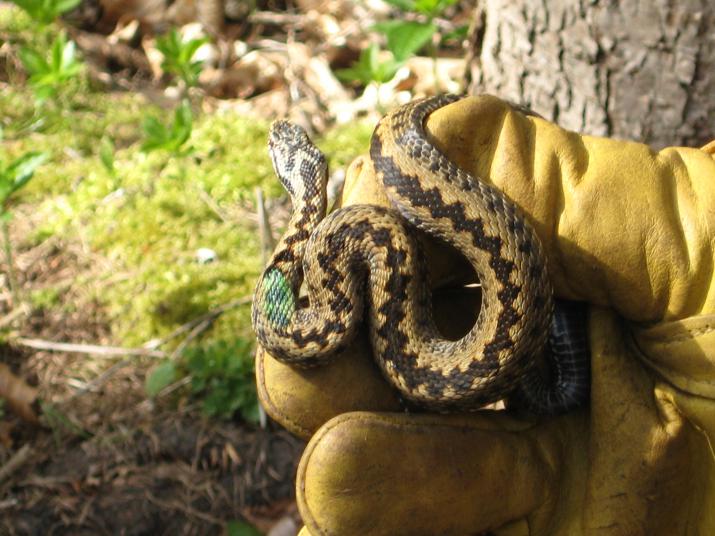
[279,300]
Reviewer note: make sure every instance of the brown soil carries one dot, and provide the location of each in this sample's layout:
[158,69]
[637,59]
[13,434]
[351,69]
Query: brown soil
[106,460]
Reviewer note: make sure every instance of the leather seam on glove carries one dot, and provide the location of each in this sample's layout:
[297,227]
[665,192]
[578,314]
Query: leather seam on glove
[428,421]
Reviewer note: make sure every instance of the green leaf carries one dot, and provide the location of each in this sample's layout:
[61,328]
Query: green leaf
[154,128]
[35,9]
[432,8]
[58,47]
[169,44]
[62,6]
[181,127]
[405,38]
[45,11]
[48,75]
[458,34]
[404,5]
[33,61]
[106,154]
[361,70]
[19,173]
[241,528]
[191,47]
[172,137]
[369,68]
[183,119]
[156,134]
[44,92]
[160,377]
[178,55]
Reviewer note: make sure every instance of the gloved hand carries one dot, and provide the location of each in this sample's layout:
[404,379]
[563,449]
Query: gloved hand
[626,229]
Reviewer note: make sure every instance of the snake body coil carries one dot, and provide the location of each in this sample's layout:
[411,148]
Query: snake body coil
[368,246]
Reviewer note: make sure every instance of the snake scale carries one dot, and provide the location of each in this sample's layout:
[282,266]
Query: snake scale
[367,257]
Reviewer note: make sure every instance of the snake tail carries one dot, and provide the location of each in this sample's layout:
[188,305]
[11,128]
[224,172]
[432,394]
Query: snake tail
[565,381]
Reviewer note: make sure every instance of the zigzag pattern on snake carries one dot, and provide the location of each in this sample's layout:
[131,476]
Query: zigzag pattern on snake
[365,257]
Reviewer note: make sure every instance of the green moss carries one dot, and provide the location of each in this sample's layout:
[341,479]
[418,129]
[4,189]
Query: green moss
[344,143]
[70,135]
[13,19]
[16,24]
[45,298]
[152,227]
[148,216]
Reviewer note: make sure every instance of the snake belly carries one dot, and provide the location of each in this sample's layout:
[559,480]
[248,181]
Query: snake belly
[364,259]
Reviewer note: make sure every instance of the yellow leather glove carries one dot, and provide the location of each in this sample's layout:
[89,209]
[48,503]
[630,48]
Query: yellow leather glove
[626,229]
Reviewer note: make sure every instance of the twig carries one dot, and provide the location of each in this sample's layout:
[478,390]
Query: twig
[191,324]
[213,205]
[12,315]
[264,224]
[11,279]
[148,403]
[277,19]
[15,462]
[186,380]
[178,506]
[39,344]
[198,330]
[9,503]
[92,385]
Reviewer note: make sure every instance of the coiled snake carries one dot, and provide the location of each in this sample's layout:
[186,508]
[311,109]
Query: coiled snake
[363,247]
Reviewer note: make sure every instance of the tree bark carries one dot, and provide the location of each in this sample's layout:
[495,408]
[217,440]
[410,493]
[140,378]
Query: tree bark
[635,69]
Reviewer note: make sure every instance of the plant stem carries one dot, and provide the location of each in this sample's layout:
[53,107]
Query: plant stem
[10,269]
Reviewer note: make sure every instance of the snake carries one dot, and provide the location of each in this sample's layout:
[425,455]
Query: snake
[364,263]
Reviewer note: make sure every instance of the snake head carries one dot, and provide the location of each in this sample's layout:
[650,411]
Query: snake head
[299,164]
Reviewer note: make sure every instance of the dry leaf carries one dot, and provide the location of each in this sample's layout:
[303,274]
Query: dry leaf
[18,395]
[450,75]
[256,72]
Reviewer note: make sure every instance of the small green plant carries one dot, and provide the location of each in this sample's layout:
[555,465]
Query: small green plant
[14,177]
[404,38]
[106,155]
[178,56]
[172,137]
[49,74]
[45,11]
[45,298]
[370,68]
[160,377]
[221,375]
[241,528]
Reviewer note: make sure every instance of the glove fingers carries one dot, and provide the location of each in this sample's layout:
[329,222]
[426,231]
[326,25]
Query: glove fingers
[368,473]
[608,211]
[302,400]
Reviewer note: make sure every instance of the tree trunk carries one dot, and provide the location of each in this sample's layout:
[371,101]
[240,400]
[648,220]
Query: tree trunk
[635,69]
